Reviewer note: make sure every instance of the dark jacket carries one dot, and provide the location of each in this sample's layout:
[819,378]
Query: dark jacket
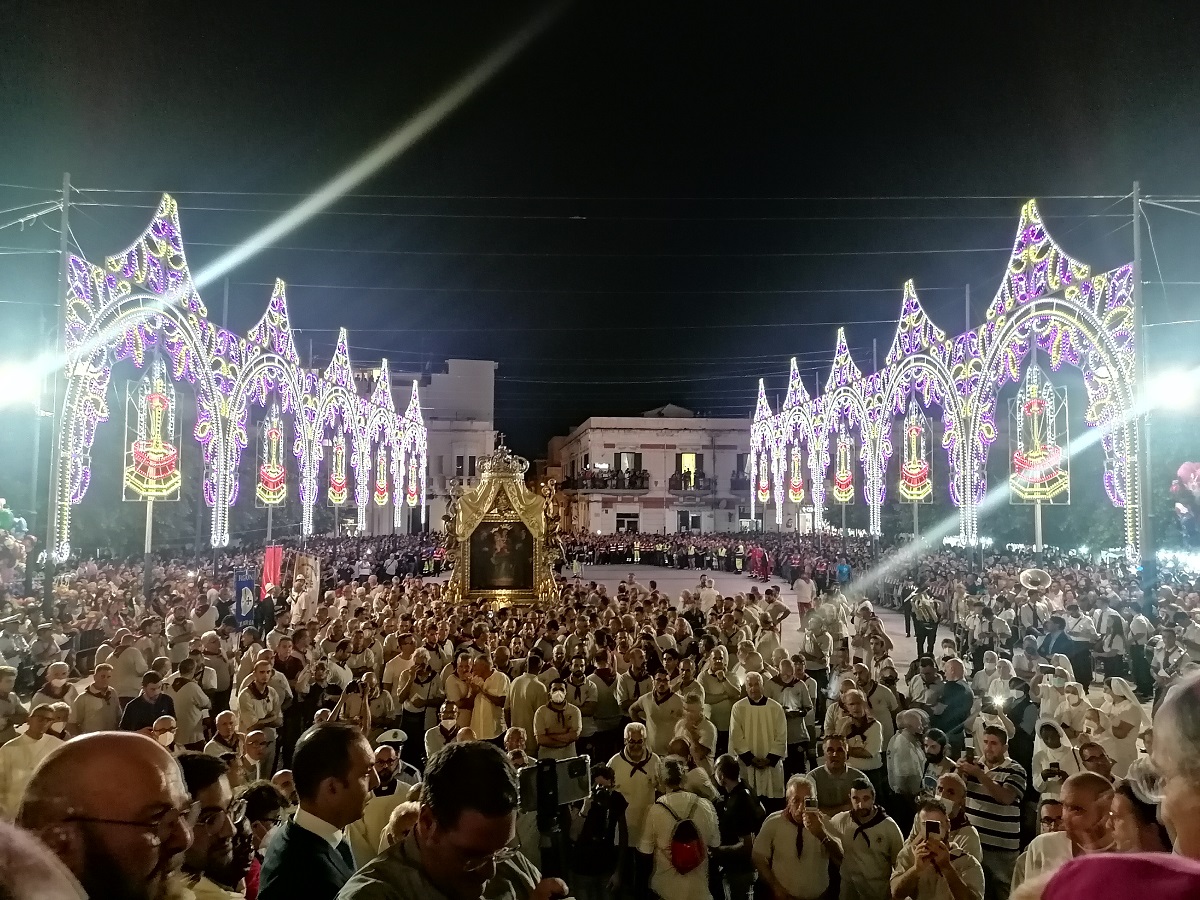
[140,713]
[299,865]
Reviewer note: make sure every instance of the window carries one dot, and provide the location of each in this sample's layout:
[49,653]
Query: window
[743,464]
[689,462]
[627,522]
[627,461]
[471,466]
[586,460]
[458,467]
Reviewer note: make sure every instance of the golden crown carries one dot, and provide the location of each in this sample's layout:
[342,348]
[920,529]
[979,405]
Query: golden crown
[503,463]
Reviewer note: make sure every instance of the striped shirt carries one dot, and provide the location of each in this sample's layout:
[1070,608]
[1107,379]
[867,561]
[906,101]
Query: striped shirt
[998,824]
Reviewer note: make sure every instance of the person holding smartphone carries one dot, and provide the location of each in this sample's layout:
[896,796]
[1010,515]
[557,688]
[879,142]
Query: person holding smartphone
[930,867]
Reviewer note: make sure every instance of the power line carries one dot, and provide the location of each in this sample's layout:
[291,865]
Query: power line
[596,326]
[623,199]
[572,255]
[589,291]
[584,218]
[1154,252]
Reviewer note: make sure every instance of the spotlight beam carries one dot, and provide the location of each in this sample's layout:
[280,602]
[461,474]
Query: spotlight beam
[379,156]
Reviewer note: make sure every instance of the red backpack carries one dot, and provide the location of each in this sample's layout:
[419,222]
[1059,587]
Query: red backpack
[688,851]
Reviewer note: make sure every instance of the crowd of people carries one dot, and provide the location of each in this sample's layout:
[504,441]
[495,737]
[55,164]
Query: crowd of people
[361,737]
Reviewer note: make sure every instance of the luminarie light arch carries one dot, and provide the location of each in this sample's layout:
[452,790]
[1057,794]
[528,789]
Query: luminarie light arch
[1047,299]
[143,300]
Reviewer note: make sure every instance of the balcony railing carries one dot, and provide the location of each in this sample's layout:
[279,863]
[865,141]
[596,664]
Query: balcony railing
[691,484]
[739,484]
[608,482]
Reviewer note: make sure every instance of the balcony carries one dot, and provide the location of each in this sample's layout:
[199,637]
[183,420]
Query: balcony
[739,486]
[604,482]
[688,485]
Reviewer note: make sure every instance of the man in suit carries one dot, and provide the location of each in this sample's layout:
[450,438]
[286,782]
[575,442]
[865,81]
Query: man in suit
[1055,641]
[310,856]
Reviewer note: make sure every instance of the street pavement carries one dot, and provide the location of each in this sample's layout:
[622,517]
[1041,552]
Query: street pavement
[673,581]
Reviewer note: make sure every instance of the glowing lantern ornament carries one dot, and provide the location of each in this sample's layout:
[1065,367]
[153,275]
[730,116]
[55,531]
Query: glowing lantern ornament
[413,492]
[272,474]
[339,487]
[915,486]
[381,476]
[796,479]
[764,480]
[1040,471]
[843,472]
[152,461]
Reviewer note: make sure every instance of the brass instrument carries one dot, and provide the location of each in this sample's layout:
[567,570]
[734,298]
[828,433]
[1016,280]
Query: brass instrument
[1034,579]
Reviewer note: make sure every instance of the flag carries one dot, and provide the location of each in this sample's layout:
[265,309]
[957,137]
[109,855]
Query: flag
[272,566]
[243,596]
[310,567]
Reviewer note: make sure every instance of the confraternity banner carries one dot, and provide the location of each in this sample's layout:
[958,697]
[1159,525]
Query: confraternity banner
[243,596]
[272,566]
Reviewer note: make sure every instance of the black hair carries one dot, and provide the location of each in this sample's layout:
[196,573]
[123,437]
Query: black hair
[201,771]
[262,799]
[861,784]
[323,752]
[997,732]
[937,736]
[473,775]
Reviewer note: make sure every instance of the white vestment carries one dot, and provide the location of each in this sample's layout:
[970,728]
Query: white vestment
[760,729]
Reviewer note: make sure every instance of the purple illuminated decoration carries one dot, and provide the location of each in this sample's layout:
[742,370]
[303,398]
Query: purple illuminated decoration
[1046,300]
[144,298]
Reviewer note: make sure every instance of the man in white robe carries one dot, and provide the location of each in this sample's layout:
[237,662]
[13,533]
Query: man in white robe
[758,737]
[20,756]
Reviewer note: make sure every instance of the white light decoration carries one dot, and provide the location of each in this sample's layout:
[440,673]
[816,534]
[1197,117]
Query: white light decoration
[1046,300]
[144,298]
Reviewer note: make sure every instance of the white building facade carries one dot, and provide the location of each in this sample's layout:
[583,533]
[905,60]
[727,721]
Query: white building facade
[665,471]
[458,406]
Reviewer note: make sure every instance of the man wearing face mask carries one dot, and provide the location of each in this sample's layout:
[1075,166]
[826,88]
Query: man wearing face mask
[951,793]
[57,687]
[557,724]
[443,732]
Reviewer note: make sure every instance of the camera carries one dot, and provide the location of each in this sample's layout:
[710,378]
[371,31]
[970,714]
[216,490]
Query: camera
[552,783]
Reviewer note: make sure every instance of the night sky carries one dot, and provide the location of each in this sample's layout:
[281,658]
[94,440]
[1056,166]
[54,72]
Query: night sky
[655,203]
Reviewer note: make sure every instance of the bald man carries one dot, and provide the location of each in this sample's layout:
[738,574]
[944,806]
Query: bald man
[114,808]
[1085,799]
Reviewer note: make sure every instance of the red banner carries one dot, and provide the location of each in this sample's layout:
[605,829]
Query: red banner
[272,567]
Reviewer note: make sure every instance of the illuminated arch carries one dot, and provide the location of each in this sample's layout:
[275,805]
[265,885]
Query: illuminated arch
[144,298]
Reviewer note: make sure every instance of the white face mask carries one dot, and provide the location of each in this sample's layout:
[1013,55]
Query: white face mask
[271,832]
[167,738]
[558,697]
[1058,682]
[989,668]
[57,727]
[57,682]
[447,724]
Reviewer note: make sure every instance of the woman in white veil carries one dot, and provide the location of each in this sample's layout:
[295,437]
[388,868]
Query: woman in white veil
[1127,720]
[1053,756]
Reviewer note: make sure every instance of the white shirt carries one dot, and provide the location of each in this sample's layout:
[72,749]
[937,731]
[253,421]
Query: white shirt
[318,826]
[18,758]
[487,719]
[665,881]
[805,876]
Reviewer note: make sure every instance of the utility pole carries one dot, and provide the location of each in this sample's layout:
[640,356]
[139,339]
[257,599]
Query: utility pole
[58,362]
[1142,476]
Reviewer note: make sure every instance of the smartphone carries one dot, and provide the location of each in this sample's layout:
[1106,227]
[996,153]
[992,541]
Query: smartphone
[969,754]
[810,803]
[1046,669]
[933,829]
[1054,767]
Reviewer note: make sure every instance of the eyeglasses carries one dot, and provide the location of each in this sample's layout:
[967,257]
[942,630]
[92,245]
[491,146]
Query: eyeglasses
[160,826]
[491,859]
[212,816]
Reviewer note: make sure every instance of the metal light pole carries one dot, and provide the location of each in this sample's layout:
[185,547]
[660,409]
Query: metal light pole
[58,362]
[1145,520]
